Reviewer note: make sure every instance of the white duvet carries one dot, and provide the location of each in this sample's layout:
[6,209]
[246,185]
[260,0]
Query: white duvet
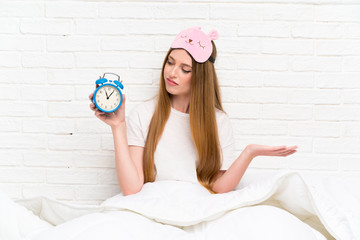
[286,205]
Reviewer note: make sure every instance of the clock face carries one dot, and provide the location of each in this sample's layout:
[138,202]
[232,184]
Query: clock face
[108,98]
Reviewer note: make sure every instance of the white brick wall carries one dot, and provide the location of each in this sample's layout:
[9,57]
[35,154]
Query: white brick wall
[289,71]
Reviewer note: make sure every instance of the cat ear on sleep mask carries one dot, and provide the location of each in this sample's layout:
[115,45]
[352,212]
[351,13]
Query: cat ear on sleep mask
[196,43]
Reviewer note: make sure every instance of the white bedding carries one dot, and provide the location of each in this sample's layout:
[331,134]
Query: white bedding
[286,205]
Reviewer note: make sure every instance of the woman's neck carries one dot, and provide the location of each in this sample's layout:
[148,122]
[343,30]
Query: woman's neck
[180,103]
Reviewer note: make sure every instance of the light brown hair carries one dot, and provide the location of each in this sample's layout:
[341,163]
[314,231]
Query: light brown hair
[204,100]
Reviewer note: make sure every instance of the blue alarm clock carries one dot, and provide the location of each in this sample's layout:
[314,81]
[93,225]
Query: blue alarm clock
[108,96]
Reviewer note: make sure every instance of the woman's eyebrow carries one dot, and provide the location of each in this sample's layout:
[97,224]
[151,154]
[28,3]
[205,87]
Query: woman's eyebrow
[171,58]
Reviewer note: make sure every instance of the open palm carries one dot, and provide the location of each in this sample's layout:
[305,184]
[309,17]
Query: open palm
[263,150]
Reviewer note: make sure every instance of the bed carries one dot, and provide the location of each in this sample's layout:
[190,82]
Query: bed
[265,205]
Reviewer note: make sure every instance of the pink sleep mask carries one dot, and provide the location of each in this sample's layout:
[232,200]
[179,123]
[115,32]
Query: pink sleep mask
[196,43]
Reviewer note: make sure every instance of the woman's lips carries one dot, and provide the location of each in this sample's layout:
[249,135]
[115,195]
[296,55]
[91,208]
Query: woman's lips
[172,83]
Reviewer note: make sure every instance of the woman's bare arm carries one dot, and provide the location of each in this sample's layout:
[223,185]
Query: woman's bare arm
[128,160]
[229,179]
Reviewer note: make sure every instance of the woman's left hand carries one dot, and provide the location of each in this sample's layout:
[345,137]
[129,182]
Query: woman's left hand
[255,150]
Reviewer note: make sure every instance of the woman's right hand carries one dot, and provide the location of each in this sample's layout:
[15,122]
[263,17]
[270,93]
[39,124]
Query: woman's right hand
[113,119]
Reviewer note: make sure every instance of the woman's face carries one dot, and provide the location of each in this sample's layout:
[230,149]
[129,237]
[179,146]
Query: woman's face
[177,73]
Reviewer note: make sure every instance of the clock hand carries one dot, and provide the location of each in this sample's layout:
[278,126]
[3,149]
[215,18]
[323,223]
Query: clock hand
[106,94]
[111,94]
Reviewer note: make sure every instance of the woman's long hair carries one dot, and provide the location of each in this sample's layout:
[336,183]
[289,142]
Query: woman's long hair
[204,100]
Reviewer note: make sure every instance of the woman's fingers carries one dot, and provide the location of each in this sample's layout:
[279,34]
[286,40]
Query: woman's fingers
[123,101]
[101,115]
[278,148]
[289,153]
[283,148]
[286,153]
[92,106]
[97,111]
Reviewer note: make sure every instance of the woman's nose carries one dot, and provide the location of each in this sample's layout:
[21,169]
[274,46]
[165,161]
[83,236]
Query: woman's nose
[173,71]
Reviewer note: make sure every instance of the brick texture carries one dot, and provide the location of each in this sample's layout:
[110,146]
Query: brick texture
[289,73]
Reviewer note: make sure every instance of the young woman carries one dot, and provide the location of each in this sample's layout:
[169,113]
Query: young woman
[184,134]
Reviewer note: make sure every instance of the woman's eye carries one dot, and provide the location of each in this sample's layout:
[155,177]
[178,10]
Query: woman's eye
[185,71]
[170,63]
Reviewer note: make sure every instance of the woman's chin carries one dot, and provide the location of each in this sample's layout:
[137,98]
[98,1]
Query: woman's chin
[171,91]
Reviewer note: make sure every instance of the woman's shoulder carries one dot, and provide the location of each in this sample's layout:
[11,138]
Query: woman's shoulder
[223,121]
[221,116]
[145,108]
